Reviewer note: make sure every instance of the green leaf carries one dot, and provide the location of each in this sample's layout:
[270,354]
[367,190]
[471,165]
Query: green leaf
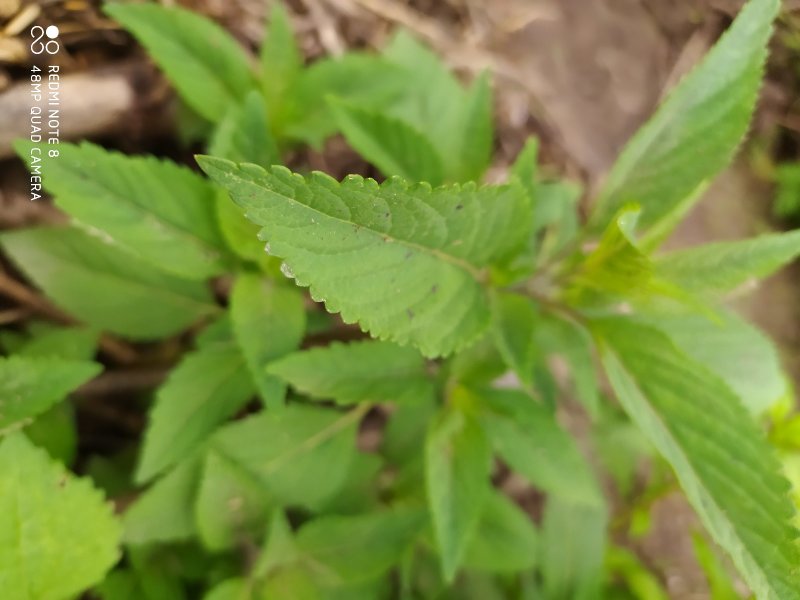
[407,425]
[566,340]
[69,343]
[363,79]
[57,534]
[724,266]
[206,388]
[720,582]
[527,436]
[239,234]
[573,537]
[407,262]
[300,454]
[526,167]
[556,214]
[244,134]
[617,265]
[365,371]
[735,351]
[515,323]
[30,386]
[390,144]
[694,134]
[281,61]
[268,322]
[787,195]
[230,503]
[230,589]
[118,585]
[128,297]
[56,432]
[725,466]
[457,465]
[477,131]
[164,511]
[280,548]
[205,64]
[439,106]
[359,548]
[506,540]
[154,209]
[361,487]
[639,580]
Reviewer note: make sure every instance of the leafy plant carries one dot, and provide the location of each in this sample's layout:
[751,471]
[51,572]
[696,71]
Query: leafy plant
[252,480]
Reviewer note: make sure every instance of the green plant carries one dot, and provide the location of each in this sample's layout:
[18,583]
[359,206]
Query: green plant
[787,197]
[457,284]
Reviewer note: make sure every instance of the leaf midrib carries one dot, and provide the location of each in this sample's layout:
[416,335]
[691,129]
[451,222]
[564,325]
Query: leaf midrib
[476,273]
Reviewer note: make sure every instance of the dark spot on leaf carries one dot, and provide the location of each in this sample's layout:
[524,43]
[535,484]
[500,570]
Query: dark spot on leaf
[434,288]
[410,313]
[459,206]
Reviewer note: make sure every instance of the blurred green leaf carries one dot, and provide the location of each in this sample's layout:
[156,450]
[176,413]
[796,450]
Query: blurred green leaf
[506,540]
[31,386]
[69,343]
[301,454]
[128,297]
[56,432]
[723,266]
[164,511]
[153,209]
[231,504]
[244,134]
[573,543]
[527,436]
[735,351]
[640,582]
[787,196]
[477,131]
[695,132]
[206,388]
[697,423]
[362,371]
[268,322]
[719,580]
[205,64]
[281,61]
[392,145]
[358,548]
[457,466]
[42,507]
[363,79]
[515,320]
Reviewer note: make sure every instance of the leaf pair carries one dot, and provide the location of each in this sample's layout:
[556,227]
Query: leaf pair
[298,456]
[224,373]
[436,133]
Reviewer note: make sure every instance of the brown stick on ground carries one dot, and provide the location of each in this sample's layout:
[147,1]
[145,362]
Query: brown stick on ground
[117,98]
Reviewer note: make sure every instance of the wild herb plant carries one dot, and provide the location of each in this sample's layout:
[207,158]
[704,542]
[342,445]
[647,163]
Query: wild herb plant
[465,296]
